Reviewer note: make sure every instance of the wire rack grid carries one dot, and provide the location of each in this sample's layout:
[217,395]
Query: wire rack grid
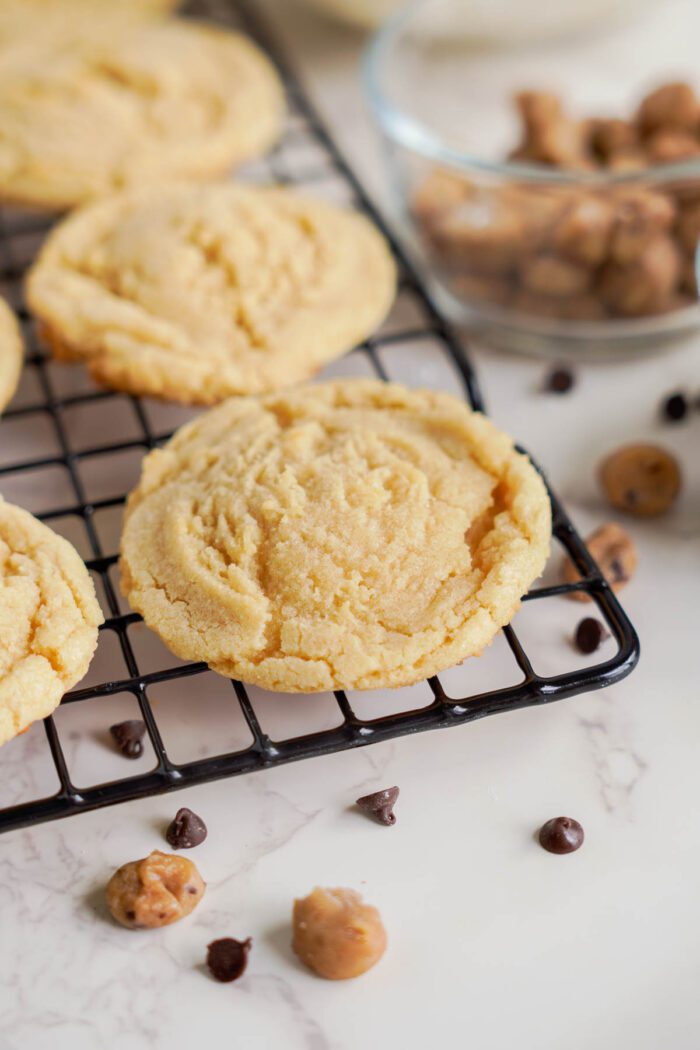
[77,487]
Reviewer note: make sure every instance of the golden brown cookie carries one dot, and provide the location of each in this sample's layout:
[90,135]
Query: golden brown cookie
[34,31]
[613,549]
[48,619]
[172,100]
[197,293]
[351,534]
[11,351]
[644,480]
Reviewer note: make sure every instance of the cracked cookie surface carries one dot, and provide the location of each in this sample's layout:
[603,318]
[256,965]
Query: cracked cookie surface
[350,534]
[49,617]
[11,351]
[198,293]
[173,99]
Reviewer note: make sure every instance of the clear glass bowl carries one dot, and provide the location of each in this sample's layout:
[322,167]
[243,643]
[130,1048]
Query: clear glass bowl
[537,258]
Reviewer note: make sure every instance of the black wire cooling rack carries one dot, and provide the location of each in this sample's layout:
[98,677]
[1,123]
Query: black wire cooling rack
[308,157]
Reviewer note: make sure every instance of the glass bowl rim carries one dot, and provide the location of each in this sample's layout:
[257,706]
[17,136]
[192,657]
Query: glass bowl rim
[407,131]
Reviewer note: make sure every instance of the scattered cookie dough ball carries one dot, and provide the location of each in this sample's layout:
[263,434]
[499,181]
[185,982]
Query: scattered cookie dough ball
[155,891]
[336,934]
[643,480]
[614,550]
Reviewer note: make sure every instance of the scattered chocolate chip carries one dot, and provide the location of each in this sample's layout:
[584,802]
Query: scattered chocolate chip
[561,835]
[589,635]
[128,737]
[131,915]
[675,408]
[227,958]
[617,573]
[380,805]
[186,830]
[559,381]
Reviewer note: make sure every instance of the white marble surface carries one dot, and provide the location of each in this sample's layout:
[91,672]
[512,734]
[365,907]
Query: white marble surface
[493,943]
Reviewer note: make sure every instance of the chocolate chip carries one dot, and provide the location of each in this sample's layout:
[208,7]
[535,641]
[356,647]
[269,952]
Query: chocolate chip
[617,573]
[227,958]
[675,407]
[589,635]
[131,915]
[559,381]
[186,830]
[380,805]
[561,835]
[128,737]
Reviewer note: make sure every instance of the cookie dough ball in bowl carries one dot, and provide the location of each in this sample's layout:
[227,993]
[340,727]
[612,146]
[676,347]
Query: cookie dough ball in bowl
[155,891]
[336,934]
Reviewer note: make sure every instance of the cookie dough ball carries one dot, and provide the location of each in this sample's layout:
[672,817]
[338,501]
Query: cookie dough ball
[438,193]
[550,136]
[646,285]
[643,480]
[155,891]
[584,231]
[640,217]
[614,550]
[547,274]
[670,106]
[670,146]
[486,233]
[336,935]
[609,137]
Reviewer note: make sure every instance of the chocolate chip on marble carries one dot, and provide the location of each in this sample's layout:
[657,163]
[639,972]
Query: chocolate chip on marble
[227,958]
[589,635]
[128,737]
[380,805]
[560,381]
[561,835]
[675,407]
[186,830]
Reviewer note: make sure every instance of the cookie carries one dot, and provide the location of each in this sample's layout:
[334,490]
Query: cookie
[48,619]
[173,100]
[198,293]
[345,535]
[11,351]
[33,31]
